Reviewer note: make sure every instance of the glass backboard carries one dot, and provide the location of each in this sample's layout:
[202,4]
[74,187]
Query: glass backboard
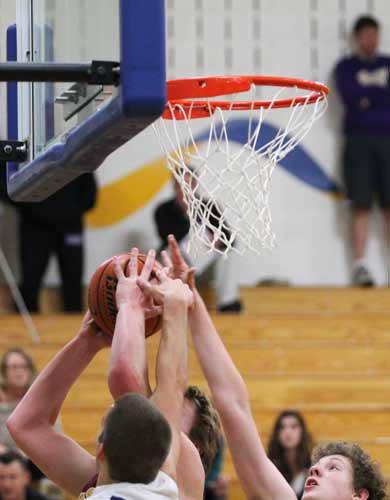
[70,31]
[71,127]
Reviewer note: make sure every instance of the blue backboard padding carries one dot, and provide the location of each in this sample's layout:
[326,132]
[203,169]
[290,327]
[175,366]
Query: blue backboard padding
[143,47]
[141,100]
[86,147]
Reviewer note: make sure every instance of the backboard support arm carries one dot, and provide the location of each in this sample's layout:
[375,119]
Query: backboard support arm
[96,73]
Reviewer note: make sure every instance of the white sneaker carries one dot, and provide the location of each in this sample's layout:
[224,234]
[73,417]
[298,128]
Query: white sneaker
[362,277]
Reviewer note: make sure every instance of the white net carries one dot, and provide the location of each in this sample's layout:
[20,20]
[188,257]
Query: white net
[225,176]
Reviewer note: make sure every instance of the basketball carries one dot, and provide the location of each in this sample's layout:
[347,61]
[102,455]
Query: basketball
[101,295]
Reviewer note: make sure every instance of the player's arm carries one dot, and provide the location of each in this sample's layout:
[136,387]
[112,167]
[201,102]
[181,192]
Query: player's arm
[32,422]
[171,363]
[128,367]
[190,471]
[258,475]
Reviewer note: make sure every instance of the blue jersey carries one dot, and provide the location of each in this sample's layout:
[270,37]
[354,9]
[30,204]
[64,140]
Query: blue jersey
[364,86]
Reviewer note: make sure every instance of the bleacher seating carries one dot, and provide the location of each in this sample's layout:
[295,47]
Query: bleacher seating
[322,351]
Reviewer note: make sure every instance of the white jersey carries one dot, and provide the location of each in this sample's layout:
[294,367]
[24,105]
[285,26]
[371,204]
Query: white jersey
[162,488]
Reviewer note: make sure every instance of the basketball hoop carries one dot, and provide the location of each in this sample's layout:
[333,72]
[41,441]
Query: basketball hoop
[224,173]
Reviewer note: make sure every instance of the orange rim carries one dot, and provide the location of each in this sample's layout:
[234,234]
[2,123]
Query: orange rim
[181,94]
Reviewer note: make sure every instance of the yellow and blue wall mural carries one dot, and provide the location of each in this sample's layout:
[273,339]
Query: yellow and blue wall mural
[121,198]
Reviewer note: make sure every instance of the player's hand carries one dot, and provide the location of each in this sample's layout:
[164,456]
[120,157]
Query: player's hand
[92,333]
[128,292]
[168,291]
[178,267]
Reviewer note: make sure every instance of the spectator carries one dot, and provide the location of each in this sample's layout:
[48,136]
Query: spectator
[54,226]
[17,371]
[171,218]
[363,83]
[15,478]
[290,449]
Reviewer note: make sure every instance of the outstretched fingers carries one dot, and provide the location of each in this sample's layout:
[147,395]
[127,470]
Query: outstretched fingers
[174,249]
[132,266]
[118,269]
[166,259]
[148,266]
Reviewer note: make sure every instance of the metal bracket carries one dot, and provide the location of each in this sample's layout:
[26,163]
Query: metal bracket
[76,97]
[104,73]
[16,151]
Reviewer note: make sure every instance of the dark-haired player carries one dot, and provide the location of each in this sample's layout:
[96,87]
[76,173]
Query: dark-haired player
[128,372]
[129,465]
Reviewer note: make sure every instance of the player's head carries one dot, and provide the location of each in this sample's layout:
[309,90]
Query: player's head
[343,471]
[201,424]
[14,476]
[290,433]
[366,35]
[17,370]
[135,440]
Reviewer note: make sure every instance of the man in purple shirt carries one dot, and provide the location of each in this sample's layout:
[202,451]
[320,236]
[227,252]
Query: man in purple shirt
[364,85]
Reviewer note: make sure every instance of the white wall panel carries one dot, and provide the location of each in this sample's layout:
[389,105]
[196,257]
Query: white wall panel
[290,38]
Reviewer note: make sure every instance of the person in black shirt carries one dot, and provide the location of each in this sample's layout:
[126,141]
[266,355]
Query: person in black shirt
[54,226]
[171,217]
